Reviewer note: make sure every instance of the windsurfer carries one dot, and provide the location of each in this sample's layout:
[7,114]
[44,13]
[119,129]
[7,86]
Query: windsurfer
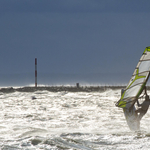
[143,107]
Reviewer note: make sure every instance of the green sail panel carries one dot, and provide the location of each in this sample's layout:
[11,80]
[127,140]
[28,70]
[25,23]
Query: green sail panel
[137,82]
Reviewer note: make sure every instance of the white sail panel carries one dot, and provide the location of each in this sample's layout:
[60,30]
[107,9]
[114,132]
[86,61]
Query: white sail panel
[132,92]
[144,66]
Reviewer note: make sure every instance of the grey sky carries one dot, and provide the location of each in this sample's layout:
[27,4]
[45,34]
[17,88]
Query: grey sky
[73,36]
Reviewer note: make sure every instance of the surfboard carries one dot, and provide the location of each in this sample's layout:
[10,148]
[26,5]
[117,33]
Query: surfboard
[134,89]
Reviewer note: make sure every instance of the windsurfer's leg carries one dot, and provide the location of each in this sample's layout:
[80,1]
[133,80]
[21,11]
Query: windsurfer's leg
[138,110]
[140,116]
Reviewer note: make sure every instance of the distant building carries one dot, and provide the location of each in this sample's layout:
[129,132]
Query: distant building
[77,84]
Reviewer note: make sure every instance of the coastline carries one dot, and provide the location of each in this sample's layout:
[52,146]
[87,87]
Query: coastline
[61,88]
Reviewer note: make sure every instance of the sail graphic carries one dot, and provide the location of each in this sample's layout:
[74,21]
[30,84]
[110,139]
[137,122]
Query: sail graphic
[137,81]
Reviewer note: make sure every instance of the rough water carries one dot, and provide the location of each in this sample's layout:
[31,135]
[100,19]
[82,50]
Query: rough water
[67,120]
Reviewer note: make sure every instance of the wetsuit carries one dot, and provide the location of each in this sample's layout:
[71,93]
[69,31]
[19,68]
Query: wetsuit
[144,107]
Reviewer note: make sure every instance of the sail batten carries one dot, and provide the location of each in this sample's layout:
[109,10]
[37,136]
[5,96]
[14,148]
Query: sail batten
[134,85]
[137,82]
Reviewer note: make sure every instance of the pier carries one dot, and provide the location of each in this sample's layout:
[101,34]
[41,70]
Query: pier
[61,88]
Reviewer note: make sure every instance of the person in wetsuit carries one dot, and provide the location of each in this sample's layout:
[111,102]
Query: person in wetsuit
[143,107]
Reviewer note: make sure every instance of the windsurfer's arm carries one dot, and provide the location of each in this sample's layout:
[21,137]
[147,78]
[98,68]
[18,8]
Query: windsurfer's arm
[138,103]
[145,90]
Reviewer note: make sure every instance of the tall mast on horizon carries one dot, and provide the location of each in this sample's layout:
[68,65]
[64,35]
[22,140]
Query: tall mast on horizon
[35,72]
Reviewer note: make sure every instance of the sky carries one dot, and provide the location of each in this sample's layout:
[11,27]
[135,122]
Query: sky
[88,40]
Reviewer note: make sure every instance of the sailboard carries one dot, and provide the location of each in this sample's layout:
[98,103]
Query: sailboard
[134,89]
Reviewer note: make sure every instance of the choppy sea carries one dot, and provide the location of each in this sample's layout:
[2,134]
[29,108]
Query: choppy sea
[67,120]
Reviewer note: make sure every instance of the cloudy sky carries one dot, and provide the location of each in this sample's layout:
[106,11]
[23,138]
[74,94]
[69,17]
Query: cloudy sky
[73,36]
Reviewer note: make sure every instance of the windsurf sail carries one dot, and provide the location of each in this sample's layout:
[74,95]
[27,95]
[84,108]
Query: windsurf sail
[137,82]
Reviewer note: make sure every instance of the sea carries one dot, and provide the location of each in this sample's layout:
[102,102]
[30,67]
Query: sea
[63,120]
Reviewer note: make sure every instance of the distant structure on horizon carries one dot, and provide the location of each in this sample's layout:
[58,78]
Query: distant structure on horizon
[35,72]
[77,85]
